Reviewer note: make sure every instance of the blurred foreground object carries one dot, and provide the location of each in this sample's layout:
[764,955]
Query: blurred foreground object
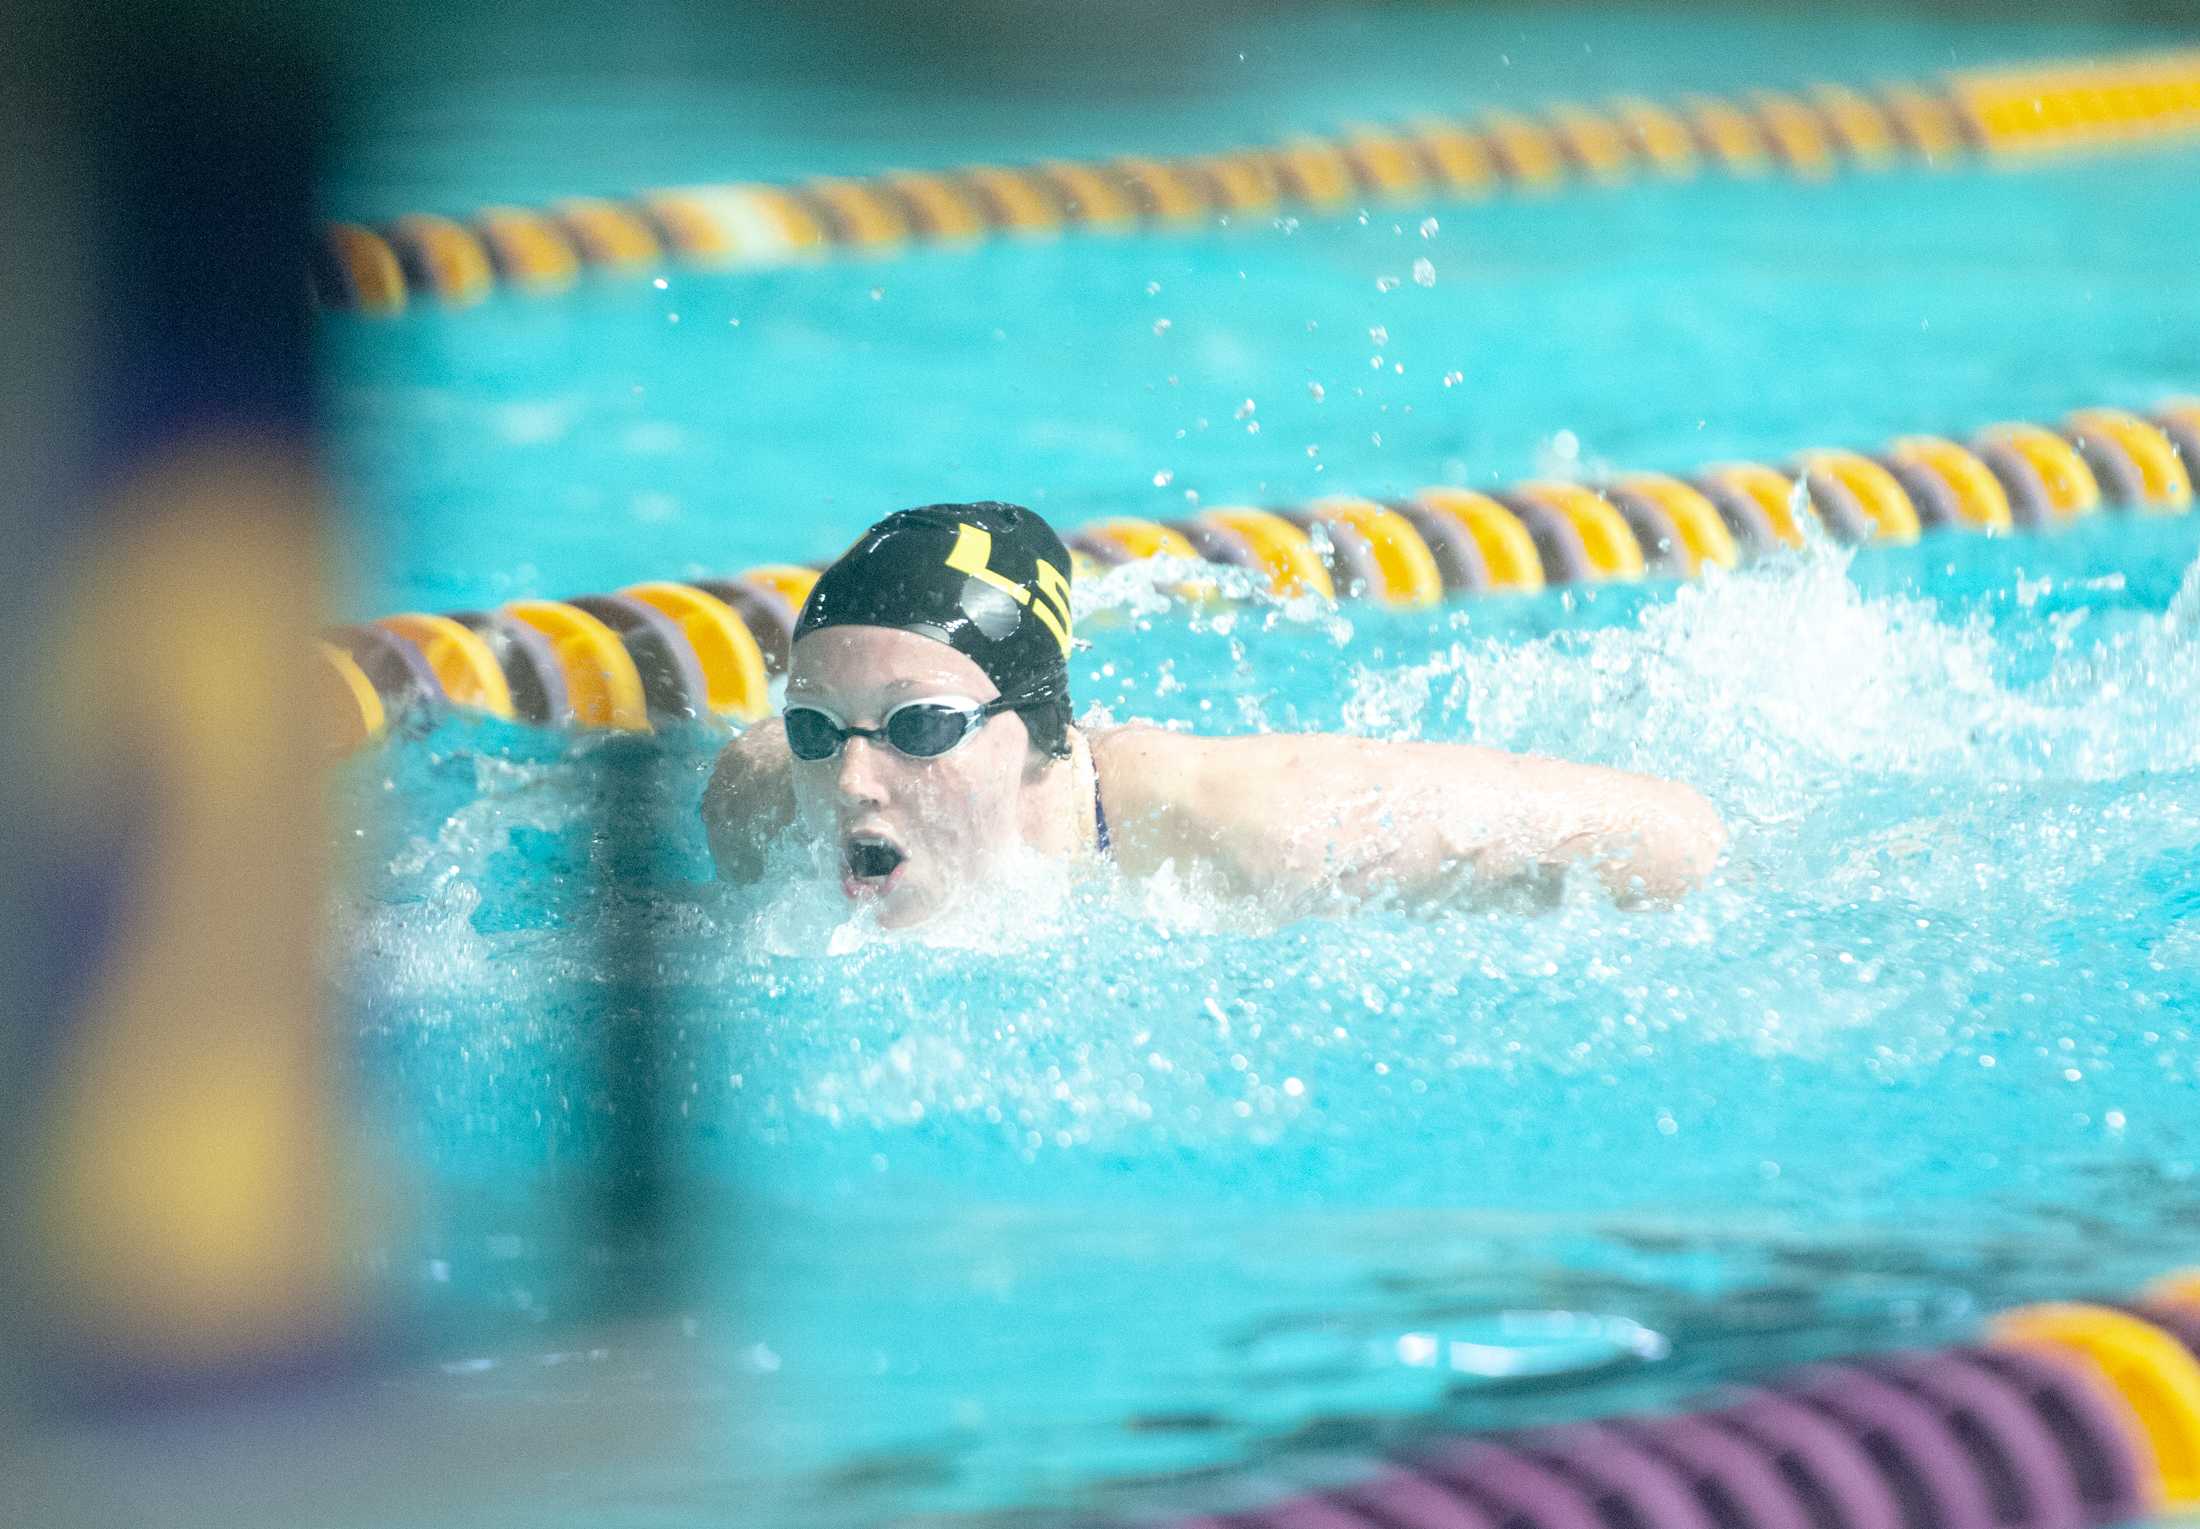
[174,1202]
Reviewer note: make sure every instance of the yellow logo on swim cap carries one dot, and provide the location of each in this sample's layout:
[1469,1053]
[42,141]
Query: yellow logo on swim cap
[973,554]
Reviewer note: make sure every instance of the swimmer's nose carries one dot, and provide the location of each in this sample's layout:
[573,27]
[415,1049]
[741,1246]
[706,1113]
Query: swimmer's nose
[860,777]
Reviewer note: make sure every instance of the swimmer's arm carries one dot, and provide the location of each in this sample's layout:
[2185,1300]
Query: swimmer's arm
[1315,814]
[749,801]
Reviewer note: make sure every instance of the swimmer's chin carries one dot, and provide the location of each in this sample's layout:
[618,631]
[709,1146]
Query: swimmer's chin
[893,906]
[1019,898]
[804,903]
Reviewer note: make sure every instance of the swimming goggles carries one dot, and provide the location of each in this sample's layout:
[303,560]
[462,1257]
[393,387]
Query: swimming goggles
[921,729]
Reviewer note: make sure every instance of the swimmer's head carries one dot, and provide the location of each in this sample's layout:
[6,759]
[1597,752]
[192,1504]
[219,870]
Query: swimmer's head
[990,580]
[944,631]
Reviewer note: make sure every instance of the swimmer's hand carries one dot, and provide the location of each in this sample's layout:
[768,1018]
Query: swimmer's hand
[749,802]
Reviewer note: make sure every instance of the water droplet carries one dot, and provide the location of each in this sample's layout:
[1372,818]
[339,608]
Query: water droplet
[1163,478]
[1424,273]
[1314,391]
[1153,289]
[1379,336]
[1428,228]
[661,284]
[1161,326]
[1245,409]
[877,293]
[1386,283]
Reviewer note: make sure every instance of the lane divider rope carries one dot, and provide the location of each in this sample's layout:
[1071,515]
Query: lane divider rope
[2061,1416]
[666,649]
[2016,114]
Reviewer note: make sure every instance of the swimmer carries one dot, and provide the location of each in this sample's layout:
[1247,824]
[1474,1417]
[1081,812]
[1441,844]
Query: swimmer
[927,732]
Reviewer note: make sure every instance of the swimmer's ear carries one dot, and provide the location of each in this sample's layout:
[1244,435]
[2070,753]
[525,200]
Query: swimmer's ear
[1037,761]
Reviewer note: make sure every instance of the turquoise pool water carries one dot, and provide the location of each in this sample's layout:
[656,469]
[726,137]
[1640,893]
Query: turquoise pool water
[1143,1203]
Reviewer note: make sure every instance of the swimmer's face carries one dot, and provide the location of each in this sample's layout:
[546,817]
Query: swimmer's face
[944,819]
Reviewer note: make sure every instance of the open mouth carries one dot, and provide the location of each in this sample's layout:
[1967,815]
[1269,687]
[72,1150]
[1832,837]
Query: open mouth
[869,864]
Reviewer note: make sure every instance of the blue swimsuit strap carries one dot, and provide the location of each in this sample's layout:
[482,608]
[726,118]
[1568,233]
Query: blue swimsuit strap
[1099,812]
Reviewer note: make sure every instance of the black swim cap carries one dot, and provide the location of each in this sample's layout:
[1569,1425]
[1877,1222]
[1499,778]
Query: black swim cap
[990,580]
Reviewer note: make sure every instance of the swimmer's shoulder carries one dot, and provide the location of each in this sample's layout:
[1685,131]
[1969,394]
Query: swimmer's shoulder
[1169,794]
[750,799]
[757,752]
[1160,767]
[1143,767]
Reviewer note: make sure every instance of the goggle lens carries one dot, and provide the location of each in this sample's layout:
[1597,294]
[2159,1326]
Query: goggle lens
[927,730]
[811,734]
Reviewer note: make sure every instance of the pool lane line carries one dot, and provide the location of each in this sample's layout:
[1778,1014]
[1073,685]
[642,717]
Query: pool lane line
[2059,1416]
[2017,115]
[664,650]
